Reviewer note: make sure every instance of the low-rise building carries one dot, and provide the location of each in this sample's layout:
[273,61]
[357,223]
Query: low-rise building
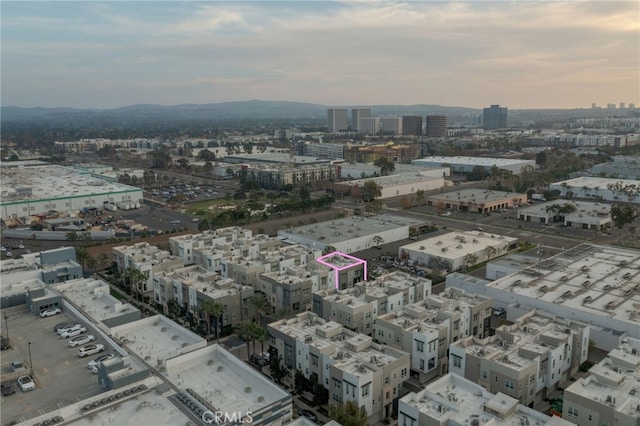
[184,245]
[610,394]
[456,250]
[477,200]
[453,400]
[277,176]
[396,185]
[524,360]
[575,214]
[466,164]
[599,188]
[350,365]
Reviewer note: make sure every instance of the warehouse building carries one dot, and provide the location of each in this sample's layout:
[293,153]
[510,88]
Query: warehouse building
[466,164]
[477,200]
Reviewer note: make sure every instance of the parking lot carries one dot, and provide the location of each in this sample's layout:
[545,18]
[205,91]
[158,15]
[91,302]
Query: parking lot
[60,375]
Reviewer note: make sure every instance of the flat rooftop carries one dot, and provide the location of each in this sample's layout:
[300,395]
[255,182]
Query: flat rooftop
[452,399]
[53,182]
[479,161]
[338,230]
[454,245]
[223,381]
[593,182]
[156,339]
[515,261]
[581,208]
[93,297]
[391,180]
[275,157]
[597,280]
[478,196]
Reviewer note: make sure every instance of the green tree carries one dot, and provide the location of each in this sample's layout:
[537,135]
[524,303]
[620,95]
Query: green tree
[370,191]
[278,370]
[420,195]
[470,259]
[135,278]
[377,240]
[328,249]
[373,207]
[215,310]
[72,237]
[386,166]
[621,215]
[203,224]
[257,303]
[348,414]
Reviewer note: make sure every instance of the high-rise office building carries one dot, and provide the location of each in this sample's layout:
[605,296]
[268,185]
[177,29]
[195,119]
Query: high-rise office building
[494,117]
[412,125]
[391,125]
[437,126]
[356,115]
[337,119]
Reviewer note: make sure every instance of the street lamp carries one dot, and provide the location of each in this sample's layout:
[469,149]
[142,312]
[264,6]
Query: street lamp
[6,323]
[30,361]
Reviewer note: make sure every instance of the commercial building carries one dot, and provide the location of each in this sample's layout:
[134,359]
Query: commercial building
[391,125]
[396,185]
[599,188]
[37,190]
[349,365]
[437,126]
[363,170]
[337,120]
[399,153]
[370,126]
[525,360]
[275,158]
[620,167]
[278,176]
[328,151]
[609,394]
[356,115]
[425,329]
[494,117]
[574,214]
[357,308]
[412,125]
[350,234]
[508,265]
[477,200]
[466,164]
[453,400]
[456,250]
[597,285]
[49,266]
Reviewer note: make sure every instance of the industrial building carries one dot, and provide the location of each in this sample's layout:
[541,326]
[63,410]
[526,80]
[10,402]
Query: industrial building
[396,185]
[477,200]
[351,233]
[597,285]
[456,250]
[574,214]
[598,188]
[466,164]
[37,190]
[620,166]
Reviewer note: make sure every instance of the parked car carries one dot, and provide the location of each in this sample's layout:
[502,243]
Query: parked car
[18,366]
[7,389]
[65,324]
[73,332]
[50,312]
[90,350]
[498,312]
[81,340]
[93,365]
[26,383]
[69,327]
[4,343]
[175,222]
[308,414]
[8,254]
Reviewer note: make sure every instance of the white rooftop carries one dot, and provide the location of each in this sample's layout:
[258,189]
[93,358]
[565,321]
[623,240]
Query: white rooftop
[156,339]
[602,281]
[223,381]
[481,161]
[391,180]
[593,182]
[455,245]
[51,181]
[478,196]
[585,208]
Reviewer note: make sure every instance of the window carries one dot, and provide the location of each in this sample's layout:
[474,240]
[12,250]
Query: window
[419,346]
[485,374]
[403,373]
[457,361]
[337,384]
[314,360]
[432,363]
[573,413]
[365,389]
[509,384]
[422,364]
[456,325]
[476,317]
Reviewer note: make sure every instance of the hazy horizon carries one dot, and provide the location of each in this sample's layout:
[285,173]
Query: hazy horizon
[522,55]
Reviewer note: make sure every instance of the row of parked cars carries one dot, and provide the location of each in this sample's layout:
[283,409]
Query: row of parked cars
[75,332]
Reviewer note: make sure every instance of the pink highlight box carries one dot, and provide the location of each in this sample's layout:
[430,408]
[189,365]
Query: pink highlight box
[337,269]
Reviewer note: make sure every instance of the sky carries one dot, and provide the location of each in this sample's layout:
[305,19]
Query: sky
[520,54]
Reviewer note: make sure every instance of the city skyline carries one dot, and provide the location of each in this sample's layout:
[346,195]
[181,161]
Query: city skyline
[521,55]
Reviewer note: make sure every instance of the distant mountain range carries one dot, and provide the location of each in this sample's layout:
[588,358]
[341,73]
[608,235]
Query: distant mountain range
[258,110]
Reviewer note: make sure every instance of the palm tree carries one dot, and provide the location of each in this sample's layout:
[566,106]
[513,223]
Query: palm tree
[207,308]
[217,310]
[420,196]
[257,302]
[135,278]
[262,337]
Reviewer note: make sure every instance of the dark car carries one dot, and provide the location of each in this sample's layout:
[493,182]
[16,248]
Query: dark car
[7,389]
[4,343]
[308,414]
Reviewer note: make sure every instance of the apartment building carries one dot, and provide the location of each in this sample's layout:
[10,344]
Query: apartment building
[357,308]
[276,176]
[147,259]
[453,400]
[184,245]
[425,329]
[610,394]
[191,286]
[350,365]
[524,360]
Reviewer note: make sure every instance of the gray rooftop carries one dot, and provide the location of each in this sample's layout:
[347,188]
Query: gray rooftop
[478,196]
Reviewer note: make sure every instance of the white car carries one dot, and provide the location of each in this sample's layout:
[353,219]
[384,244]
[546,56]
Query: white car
[93,364]
[26,383]
[8,254]
[3,248]
[73,332]
[90,350]
[50,312]
[81,340]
